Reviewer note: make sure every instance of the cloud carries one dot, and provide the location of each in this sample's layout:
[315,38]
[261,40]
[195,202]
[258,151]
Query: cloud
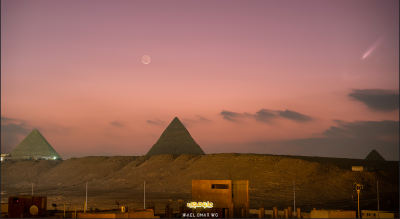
[12,133]
[295,116]
[190,122]
[363,129]
[346,140]
[377,99]
[265,115]
[158,122]
[230,116]
[202,119]
[117,124]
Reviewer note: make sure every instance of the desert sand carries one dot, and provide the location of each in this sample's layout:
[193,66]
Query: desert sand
[168,178]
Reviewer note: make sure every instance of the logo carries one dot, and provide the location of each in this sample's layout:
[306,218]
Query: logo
[200,204]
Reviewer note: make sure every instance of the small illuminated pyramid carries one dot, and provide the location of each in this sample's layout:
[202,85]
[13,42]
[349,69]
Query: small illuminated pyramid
[175,140]
[34,145]
[374,155]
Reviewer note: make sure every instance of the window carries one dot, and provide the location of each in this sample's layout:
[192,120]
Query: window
[219,186]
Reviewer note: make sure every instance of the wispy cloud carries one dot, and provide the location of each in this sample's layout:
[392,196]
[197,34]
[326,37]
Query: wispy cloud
[117,124]
[265,115]
[230,116]
[202,119]
[189,122]
[157,122]
[295,116]
[377,99]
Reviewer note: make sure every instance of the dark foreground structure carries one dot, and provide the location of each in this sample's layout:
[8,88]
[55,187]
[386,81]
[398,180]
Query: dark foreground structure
[27,206]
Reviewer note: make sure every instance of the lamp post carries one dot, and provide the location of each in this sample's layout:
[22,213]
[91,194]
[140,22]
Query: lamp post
[144,194]
[86,198]
[358,188]
[294,200]
[377,190]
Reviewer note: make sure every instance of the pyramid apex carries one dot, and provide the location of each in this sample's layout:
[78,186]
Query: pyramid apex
[175,140]
[374,155]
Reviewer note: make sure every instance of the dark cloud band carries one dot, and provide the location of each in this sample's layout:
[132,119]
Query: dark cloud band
[377,99]
[265,115]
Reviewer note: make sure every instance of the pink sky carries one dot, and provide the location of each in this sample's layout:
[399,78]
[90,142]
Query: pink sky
[72,69]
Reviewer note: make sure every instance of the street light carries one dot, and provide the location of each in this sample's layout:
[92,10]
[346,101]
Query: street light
[358,188]
[377,190]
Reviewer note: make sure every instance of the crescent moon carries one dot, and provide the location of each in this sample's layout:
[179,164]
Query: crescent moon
[146,59]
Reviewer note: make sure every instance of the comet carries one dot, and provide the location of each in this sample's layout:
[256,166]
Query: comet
[373,47]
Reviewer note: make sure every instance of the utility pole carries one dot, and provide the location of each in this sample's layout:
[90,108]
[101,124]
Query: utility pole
[377,189]
[294,200]
[358,188]
[144,194]
[86,197]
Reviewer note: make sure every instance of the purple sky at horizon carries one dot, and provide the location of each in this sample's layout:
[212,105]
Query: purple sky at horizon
[310,78]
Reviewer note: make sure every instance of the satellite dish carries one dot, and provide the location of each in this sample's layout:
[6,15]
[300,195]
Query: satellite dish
[33,210]
[123,209]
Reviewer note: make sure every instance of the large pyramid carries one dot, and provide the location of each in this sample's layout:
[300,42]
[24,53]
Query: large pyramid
[34,145]
[175,140]
[374,155]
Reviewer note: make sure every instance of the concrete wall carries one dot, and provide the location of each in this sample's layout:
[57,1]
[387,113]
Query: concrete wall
[240,190]
[4,207]
[374,214]
[202,192]
[235,196]
[332,214]
[134,214]
[342,214]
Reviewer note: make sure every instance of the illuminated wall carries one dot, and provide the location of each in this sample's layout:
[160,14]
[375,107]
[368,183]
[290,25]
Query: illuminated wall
[231,194]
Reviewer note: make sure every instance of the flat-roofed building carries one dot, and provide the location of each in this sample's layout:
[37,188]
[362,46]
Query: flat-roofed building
[232,195]
[382,214]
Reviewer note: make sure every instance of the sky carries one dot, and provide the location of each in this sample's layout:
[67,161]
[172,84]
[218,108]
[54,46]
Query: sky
[309,78]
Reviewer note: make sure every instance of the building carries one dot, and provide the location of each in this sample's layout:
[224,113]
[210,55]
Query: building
[175,140]
[4,156]
[362,169]
[27,206]
[332,214]
[34,146]
[382,214]
[232,196]
[4,210]
[135,213]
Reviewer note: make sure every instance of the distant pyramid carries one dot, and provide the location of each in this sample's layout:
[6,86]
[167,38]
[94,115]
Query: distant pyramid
[374,155]
[34,145]
[175,140]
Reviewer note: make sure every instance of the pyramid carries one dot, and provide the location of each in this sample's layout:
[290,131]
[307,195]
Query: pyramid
[374,155]
[175,140]
[34,145]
